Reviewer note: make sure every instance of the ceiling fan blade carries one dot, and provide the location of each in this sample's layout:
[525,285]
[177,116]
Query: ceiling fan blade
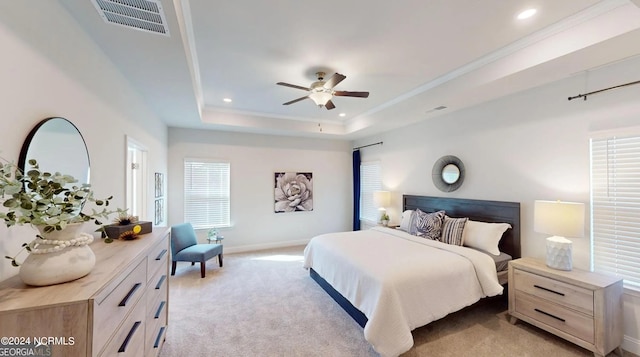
[334,80]
[296,100]
[329,105]
[343,93]
[293,86]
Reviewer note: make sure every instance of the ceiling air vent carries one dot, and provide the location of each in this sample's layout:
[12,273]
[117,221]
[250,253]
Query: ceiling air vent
[144,15]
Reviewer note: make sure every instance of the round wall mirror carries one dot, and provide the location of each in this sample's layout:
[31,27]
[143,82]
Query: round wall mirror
[58,146]
[448,173]
[451,173]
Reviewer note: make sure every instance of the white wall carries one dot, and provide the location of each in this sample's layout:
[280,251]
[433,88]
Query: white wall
[254,160]
[45,76]
[528,146]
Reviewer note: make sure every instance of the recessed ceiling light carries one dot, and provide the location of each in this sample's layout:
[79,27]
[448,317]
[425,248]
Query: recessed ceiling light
[527,14]
[342,115]
[227,100]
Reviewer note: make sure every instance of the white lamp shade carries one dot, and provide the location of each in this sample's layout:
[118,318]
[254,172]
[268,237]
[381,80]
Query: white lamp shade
[382,199]
[562,219]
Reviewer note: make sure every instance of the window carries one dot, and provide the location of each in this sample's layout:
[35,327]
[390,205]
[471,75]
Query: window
[615,207]
[206,193]
[369,181]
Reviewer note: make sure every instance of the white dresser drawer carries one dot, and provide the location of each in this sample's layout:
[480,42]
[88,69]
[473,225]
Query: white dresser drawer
[156,331]
[567,295]
[129,339]
[157,295]
[110,310]
[157,305]
[158,257]
[557,316]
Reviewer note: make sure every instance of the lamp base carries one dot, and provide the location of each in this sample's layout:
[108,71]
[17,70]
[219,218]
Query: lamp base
[559,253]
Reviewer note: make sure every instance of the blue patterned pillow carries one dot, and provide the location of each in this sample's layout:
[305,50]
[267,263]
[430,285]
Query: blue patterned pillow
[452,229]
[427,225]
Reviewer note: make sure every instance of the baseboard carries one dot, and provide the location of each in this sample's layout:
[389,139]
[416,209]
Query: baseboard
[631,344]
[249,248]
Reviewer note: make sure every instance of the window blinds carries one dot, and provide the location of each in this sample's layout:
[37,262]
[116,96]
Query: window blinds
[615,207]
[369,181]
[206,193]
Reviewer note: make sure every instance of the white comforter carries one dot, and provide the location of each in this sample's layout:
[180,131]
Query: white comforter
[399,281]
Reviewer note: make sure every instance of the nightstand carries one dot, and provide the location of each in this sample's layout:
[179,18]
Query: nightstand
[389,225]
[580,306]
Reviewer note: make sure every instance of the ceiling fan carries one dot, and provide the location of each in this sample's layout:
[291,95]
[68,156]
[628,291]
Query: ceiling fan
[322,91]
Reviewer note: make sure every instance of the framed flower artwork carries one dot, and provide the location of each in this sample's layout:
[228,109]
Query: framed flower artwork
[293,192]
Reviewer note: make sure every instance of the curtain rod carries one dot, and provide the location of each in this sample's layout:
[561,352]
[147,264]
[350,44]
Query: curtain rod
[602,90]
[364,146]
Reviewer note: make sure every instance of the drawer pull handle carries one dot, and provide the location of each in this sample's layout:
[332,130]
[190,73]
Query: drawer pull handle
[164,251]
[549,290]
[129,336]
[159,284]
[130,294]
[550,315]
[157,343]
[159,310]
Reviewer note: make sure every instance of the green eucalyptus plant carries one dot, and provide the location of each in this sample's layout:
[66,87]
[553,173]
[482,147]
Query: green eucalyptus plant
[46,199]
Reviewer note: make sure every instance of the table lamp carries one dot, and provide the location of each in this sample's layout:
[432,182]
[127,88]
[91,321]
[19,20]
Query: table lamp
[382,200]
[561,220]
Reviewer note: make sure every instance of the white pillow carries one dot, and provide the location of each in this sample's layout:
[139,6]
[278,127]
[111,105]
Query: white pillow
[484,236]
[406,220]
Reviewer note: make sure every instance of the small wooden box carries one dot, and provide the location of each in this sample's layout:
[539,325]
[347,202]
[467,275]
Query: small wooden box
[115,230]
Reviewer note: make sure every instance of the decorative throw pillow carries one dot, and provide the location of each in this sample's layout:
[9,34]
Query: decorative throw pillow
[484,236]
[427,225]
[405,224]
[452,229]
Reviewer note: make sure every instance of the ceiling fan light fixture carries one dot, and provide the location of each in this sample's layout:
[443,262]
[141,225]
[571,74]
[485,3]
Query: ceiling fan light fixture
[320,98]
[321,92]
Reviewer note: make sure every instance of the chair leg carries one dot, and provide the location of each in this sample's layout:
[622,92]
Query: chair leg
[173,268]
[202,269]
[220,259]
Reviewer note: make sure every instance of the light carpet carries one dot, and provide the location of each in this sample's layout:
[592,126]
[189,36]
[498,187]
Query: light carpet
[265,304]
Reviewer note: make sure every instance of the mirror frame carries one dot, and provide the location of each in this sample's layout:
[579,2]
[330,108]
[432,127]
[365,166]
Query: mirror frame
[22,160]
[438,167]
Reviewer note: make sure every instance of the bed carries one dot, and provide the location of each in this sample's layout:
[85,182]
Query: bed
[392,282]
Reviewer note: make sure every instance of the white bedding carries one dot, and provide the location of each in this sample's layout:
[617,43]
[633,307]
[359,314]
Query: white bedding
[399,281]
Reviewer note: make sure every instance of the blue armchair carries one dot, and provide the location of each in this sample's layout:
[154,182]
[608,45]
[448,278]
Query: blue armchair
[185,248]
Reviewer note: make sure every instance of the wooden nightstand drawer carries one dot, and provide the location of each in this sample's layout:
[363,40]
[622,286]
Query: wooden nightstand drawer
[566,320]
[571,296]
[580,306]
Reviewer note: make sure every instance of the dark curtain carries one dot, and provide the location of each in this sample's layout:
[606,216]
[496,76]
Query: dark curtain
[356,190]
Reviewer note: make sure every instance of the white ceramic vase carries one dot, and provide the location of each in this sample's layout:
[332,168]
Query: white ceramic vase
[67,264]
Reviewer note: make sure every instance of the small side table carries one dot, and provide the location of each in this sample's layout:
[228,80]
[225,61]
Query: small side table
[216,239]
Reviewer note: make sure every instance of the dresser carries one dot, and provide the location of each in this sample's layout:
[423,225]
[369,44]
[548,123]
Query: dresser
[579,306]
[119,309]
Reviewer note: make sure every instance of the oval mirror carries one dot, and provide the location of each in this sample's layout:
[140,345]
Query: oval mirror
[58,146]
[450,173]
